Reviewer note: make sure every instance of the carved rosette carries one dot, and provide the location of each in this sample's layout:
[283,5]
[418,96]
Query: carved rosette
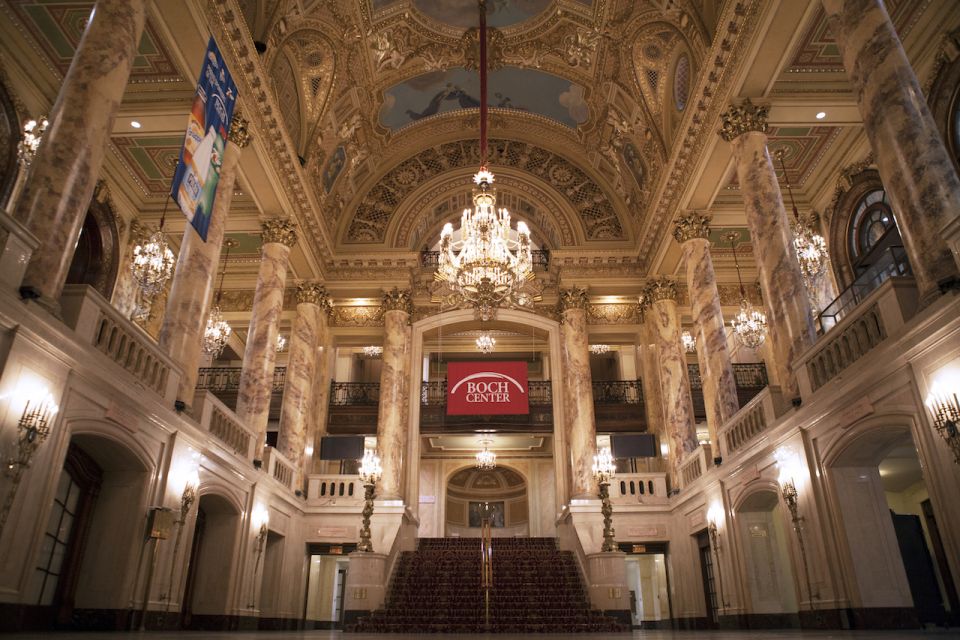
[279,230]
[661,289]
[239,131]
[398,300]
[312,292]
[575,298]
[692,226]
[737,121]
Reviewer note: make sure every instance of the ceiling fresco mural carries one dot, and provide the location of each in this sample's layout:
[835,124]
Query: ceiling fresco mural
[463,13]
[458,88]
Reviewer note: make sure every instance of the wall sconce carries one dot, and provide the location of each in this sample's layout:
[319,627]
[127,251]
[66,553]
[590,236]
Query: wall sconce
[260,518]
[370,473]
[603,470]
[191,482]
[33,428]
[945,409]
[714,518]
[788,463]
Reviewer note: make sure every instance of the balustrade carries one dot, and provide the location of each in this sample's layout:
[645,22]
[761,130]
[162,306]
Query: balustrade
[639,488]
[219,379]
[334,489]
[752,419]
[223,424]
[280,468]
[695,465]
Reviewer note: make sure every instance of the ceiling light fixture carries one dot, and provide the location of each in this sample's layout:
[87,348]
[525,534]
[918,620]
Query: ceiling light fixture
[487,266]
[135,124]
[749,324]
[821,115]
[599,349]
[689,342]
[217,331]
[281,343]
[486,459]
[30,139]
[373,351]
[810,246]
[486,343]
[151,267]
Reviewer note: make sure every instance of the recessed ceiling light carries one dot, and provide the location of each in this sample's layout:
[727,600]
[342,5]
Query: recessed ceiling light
[136,125]
[821,115]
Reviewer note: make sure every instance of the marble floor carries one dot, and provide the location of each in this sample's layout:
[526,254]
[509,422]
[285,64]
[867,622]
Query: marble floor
[637,635]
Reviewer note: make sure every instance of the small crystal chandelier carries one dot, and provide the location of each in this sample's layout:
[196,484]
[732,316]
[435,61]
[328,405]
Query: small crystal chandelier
[689,342]
[749,324]
[373,352]
[281,343]
[810,246]
[486,342]
[486,459]
[486,267]
[152,267]
[217,331]
[32,133]
[599,349]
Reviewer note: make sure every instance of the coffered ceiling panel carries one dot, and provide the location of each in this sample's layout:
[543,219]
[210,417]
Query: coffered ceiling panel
[803,148]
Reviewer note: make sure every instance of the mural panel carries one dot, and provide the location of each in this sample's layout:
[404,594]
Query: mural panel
[463,13]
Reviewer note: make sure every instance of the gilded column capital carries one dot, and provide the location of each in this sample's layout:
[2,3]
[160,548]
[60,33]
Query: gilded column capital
[239,130]
[280,230]
[691,226]
[398,300]
[573,298]
[643,305]
[738,120]
[312,292]
[661,289]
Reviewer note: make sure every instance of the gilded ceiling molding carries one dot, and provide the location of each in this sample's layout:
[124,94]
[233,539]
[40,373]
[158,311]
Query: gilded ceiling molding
[736,29]
[239,130]
[279,230]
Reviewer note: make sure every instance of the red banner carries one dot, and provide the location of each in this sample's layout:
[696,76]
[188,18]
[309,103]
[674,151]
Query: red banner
[487,388]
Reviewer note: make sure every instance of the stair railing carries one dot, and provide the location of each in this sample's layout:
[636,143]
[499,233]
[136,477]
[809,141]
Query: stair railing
[486,566]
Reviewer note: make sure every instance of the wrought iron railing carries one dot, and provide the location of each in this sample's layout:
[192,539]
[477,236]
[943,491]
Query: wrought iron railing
[892,262]
[539,257]
[540,392]
[228,378]
[748,375]
[617,392]
[354,393]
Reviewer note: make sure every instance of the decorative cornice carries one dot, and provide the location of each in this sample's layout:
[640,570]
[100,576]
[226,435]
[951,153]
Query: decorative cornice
[738,120]
[397,300]
[659,289]
[691,226]
[312,292]
[239,131]
[279,230]
[574,298]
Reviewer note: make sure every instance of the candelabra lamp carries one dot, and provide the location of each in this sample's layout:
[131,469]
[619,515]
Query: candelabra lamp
[187,498]
[370,473]
[788,462]
[33,428]
[714,516]
[603,470]
[261,519]
[945,409]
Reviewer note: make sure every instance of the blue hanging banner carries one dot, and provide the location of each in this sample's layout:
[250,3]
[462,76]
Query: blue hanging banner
[198,172]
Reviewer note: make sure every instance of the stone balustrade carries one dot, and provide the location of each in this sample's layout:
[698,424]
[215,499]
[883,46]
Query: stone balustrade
[17,244]
[639,488]
[752,419]
[101,326]
[334,489]
[694,465]
[280,468]
[877,317]
[223,424]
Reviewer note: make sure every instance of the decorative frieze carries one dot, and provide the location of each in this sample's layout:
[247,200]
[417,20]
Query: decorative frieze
[692,225]
[738,120]
[239,131]
[280,230]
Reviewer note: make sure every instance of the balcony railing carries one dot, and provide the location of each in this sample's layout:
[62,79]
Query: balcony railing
[750,378]
[892,262]
[540,259]
[539,392]
[344,394]
[218,379]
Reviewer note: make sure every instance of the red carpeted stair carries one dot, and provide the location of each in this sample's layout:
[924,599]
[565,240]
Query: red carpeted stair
[536,589]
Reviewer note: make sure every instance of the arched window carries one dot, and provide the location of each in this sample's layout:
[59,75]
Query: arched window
[681,82]
[872,219]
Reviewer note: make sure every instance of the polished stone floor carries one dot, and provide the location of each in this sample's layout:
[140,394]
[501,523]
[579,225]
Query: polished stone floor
[638,635]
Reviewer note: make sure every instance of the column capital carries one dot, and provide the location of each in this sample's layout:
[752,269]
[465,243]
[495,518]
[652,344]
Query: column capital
[280,230]
[692,225]
[573,298]
[239,131]
[661,289]
[398,300]
[312,292]
[738,120]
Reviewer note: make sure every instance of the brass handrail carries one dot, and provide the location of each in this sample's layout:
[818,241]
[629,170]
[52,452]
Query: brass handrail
[486,566]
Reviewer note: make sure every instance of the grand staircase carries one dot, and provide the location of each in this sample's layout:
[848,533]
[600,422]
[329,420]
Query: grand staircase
[536,589]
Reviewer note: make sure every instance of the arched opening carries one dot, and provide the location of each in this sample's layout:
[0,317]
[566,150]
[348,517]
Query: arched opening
[211,568]
[96,255]
[499,493]
[88,556]
[893,540]
[763,539]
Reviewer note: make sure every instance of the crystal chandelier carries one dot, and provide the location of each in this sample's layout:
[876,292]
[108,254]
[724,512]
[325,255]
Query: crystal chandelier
[30,140]
[749,324]
[486,342]
[486,267]
[486,459]
[810,246]
[152,267]
[688,341]
[599,349]
[373,352]
[217,331]
[281,343]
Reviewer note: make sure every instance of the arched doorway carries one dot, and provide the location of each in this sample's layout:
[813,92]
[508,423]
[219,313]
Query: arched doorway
[500,493]
[767,566]
[96,255]
[893,540]
[88,555]
[210,572]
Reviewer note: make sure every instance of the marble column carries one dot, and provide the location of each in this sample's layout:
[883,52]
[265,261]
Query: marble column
[259,355]
[394,391]
[188,304]
[64,172]
[789,319]
[692,231]
[321,396]
[650,373]
[678,421]
[578,392]
[299,386]
[912,160]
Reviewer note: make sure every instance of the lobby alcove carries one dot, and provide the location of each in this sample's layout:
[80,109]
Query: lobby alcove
[500,493]
[210,572]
